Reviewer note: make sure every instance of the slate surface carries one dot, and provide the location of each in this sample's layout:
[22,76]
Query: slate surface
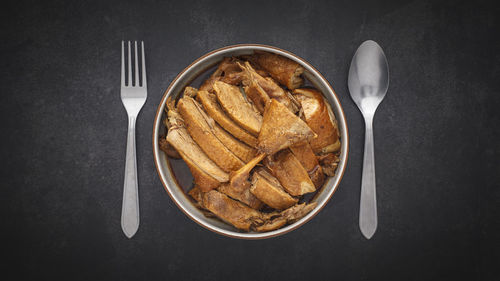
[64,131]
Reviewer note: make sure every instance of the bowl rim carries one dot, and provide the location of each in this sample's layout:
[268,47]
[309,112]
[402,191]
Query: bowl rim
[234,234]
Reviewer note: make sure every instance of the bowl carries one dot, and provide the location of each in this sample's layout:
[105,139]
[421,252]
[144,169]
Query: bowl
[176,177]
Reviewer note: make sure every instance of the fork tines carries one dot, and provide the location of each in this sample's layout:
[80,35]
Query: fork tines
[136,82]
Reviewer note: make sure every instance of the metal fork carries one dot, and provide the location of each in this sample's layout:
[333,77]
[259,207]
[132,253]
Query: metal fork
[133,97]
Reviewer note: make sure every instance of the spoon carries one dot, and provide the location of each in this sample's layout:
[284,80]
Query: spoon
[368,82]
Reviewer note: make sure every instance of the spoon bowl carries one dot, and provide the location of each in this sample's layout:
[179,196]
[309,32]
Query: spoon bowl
[368,77]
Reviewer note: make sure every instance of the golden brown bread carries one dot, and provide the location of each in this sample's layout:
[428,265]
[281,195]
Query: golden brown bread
[268,189]
[201,128]
[290,173]
[236,107]
[309,161]
[317,116]
[209,102]
[281,129]
[284,70]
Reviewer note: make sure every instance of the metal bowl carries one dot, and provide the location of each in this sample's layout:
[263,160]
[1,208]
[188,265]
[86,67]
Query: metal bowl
[175,175]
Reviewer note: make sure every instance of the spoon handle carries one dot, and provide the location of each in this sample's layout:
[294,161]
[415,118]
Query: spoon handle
[368,202]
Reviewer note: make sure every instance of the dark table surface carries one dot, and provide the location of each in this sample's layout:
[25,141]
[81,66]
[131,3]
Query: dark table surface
[64,131]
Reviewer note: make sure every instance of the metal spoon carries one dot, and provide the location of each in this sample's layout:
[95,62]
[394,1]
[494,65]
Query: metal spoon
[368,82]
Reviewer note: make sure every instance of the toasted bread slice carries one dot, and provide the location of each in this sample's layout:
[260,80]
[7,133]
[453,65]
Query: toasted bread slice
[244,196]
[270,191]
[309,161]
[235,105]
[207,175]
[201,128]
[319,119]
[284,70]
[290,173]
[209,102]
[281,129]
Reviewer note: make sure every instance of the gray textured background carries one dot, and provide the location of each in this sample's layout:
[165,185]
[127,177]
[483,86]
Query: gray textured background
[64,131]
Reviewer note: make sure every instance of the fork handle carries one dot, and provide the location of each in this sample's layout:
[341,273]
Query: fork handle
[130,203]
[368,203]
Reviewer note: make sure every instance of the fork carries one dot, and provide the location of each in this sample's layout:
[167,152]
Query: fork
[133,97]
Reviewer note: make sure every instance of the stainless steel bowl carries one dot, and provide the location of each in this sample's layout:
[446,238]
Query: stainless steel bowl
[167,167]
